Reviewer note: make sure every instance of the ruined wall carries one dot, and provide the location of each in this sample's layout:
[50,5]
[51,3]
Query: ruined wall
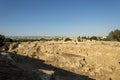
[99,60]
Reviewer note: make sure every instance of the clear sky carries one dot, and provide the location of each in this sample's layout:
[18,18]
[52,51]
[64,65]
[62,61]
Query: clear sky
[59,17]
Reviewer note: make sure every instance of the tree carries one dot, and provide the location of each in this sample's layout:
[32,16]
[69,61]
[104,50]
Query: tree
[43,39]
[84,37]
[2,38]
[114,35]
[56,39]
[79,39]
[67,39]
[93,38]
[8,40]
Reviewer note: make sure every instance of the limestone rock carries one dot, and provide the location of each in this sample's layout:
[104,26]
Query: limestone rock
[41,74]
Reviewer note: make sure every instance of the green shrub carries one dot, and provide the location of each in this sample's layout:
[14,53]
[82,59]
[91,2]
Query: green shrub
[79,39]
[2,38]
[114,35]
[67,39]
[84,37]
[8,40]
[43,39]
[93,38]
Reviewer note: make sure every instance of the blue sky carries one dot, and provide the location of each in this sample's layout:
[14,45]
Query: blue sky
[59,17]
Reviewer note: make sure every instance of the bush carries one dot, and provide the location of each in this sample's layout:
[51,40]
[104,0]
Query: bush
[2,38]
[114,35]
[84,37]
[8,40]
[43,39]
[79,39]
[57,39]
[93,38]
[67,39]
